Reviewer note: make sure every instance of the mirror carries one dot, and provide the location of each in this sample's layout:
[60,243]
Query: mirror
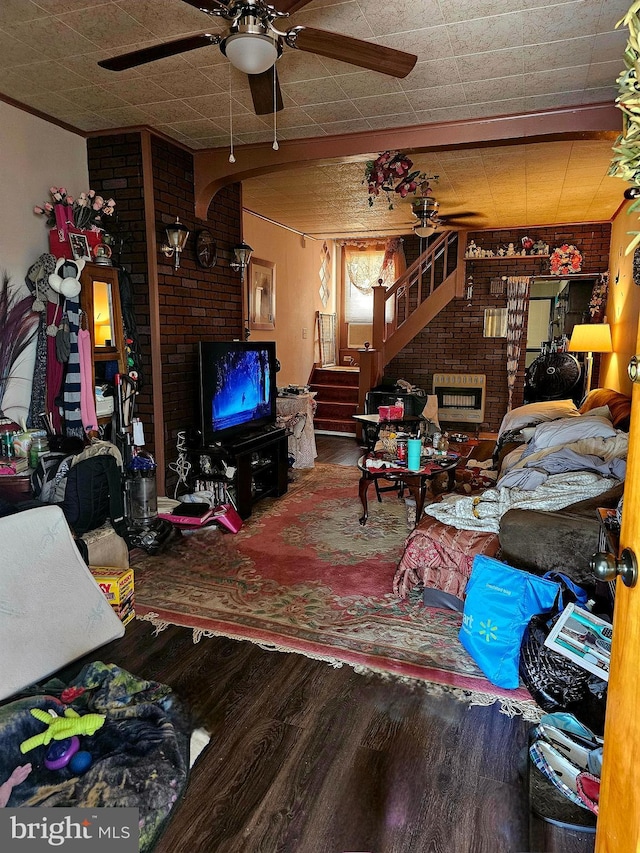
[102,314]
[555,306]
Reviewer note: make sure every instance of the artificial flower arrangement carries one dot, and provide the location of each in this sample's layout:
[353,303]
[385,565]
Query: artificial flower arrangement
[85,212]
[565,260]
[391,172]
[598,301]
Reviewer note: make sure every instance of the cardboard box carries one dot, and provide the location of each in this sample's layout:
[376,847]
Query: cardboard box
[116,584]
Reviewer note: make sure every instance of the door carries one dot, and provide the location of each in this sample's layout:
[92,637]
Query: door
[618,828]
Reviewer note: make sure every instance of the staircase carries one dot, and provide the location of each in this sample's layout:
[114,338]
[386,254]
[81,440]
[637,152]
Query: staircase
[336,391]
[412,301]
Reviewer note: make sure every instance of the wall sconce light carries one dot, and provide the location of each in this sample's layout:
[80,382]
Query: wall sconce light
[242,255]
[176,240]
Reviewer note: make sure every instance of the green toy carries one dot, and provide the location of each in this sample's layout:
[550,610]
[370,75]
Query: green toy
[59,728]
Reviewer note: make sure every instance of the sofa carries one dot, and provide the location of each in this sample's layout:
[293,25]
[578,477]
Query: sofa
[438,554]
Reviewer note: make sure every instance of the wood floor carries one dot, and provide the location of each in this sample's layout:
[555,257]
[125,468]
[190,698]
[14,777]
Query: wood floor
[305,758]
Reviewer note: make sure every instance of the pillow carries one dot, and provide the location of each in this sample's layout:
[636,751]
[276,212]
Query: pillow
[566,430]
[537,413]
[600,412]
[619,405]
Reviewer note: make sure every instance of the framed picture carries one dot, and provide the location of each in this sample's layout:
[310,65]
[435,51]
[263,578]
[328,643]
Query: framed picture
[262,295]
[79,247]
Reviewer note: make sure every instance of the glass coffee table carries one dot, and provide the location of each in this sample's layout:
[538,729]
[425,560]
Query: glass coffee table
[379,466]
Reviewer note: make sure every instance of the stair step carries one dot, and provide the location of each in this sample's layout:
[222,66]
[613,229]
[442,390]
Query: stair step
[327,376]
[335,393]
[341,411]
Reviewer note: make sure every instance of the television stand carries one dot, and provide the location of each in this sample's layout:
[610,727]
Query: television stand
[261,462]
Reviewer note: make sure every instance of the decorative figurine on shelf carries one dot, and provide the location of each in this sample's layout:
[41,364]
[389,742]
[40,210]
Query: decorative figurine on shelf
[511,249]
[472,250]
[527,244]
[502,252]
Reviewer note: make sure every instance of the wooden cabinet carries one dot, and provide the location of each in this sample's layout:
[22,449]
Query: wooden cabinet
[102,316]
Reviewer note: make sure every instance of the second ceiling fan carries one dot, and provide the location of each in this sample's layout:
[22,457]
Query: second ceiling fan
[253,44]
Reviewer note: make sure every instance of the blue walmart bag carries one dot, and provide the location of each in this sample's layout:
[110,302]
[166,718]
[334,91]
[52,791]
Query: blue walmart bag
[499,603]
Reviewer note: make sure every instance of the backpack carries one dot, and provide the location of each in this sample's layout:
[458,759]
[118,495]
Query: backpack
[87,486]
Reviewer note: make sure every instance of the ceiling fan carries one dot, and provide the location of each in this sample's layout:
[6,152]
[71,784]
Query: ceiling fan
[253,45]
[427,220]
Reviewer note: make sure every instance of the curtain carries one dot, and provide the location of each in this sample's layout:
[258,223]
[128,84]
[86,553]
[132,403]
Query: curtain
[366,263]
[517,303]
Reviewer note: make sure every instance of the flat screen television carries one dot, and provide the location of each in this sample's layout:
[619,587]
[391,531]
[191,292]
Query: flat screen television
[238,391]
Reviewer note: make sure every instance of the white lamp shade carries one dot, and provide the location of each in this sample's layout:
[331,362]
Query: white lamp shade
[591,337]
[252,53]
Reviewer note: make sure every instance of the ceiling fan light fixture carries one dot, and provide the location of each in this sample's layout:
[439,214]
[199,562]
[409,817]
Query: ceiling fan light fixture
[252,53]
[425,228]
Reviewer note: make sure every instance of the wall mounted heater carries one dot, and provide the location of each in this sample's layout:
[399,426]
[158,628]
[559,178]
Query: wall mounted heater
[460,396]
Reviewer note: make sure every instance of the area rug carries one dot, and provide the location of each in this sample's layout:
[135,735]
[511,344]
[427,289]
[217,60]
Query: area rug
[302,575]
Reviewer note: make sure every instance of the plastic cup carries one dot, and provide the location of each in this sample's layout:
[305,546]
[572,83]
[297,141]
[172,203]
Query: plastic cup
[414,447]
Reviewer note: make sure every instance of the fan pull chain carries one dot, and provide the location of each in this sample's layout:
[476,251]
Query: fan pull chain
[275,130]
[232,156]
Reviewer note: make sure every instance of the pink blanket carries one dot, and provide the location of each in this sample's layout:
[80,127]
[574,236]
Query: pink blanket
[440,556]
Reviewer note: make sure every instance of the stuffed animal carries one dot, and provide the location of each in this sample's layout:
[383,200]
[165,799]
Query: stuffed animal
[59,728]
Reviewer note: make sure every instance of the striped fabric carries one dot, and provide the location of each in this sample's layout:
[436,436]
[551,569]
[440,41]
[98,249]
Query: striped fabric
[72,386]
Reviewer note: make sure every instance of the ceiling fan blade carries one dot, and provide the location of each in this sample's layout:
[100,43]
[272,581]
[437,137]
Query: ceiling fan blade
[158,51]
[366,54]
[261,86]
[289,6]
[212,6]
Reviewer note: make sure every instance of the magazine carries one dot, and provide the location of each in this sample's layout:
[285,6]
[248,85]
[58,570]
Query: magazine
[583,638]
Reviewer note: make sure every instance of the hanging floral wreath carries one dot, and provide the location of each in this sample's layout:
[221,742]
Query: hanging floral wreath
[565,260]
[392,172]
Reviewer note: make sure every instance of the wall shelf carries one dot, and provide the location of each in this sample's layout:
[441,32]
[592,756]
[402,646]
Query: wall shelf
[509,258]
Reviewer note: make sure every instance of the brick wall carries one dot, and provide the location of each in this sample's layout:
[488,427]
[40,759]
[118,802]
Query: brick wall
[453,342]
[195,304]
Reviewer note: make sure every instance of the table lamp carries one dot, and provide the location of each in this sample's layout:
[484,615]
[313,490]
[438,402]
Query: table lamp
[590,338]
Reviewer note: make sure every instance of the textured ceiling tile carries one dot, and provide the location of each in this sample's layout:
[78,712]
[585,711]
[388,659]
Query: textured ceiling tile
[124,116]
[384,104]
[187,84]
[494,63]
[364,83]
[495,90]
[437,97]
[579,18]
[87,97]
[484,34]
[573,51]
[314,91]
[19,11]
[346,18]
[610,46]
[558,80]
[427,43]
[196,129]
[510,106]
[107,27]
[215,106]
[296,65]
[166,19]
[168,112]
[437,72]
[401,15]
[335,111]
[137,91]
[462,10]
[557,99]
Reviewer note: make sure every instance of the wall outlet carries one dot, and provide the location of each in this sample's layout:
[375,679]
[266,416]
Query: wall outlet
[305,334]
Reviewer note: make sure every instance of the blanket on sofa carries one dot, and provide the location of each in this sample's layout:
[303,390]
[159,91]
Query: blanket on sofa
[140,756]
[550,491]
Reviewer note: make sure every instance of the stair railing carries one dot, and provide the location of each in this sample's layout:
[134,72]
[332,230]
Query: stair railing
[413,300]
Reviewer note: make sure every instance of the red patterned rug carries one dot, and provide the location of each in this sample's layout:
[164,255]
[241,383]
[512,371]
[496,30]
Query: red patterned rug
[303,576]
